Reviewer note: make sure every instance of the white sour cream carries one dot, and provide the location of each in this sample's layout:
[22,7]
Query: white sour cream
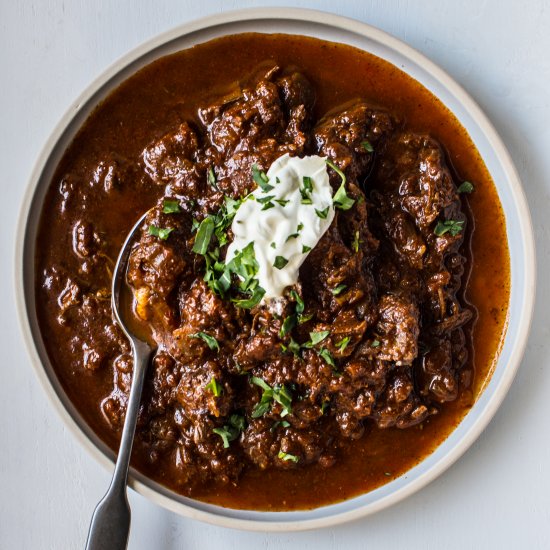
[283,230]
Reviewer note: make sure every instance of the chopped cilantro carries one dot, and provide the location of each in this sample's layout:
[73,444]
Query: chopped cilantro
[322,213]
[308,184]
[315,338]
[465,187]
[161,232]
[453,227]
[170,206]
[375,343]
[215,387]
[292,236]
[211,342]
[305,249]
[282,202]
[280,262]
[356,242]
[287,456]
[343,344]
[211,178]
[231,431]
[203,236]
[338,290]
[326,355]
[288,324]
[367,146]
[261,179]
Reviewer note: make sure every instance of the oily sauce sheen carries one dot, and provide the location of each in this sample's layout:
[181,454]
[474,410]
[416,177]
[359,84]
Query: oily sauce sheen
[142,110]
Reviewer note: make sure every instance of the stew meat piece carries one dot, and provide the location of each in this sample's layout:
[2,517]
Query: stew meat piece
[396,348]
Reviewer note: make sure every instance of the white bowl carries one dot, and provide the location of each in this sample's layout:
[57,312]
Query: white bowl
[519,230]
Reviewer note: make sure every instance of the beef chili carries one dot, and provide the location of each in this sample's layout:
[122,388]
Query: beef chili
[366,363]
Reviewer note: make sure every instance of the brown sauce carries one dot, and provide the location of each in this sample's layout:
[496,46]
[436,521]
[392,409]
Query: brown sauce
[168,91]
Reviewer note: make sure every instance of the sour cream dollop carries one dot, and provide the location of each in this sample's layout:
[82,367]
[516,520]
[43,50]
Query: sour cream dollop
[284,222]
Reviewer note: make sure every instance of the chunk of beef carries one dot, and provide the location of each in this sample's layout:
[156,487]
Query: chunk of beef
[349,137]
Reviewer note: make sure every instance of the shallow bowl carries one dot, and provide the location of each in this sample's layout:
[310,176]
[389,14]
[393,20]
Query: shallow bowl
[520,240]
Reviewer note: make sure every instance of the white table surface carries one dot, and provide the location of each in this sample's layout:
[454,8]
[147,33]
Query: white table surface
[497,496]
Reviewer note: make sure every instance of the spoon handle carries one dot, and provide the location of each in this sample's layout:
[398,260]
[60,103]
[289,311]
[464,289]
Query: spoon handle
[110,525]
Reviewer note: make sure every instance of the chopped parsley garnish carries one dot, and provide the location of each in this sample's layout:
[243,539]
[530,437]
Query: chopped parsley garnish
[343,344]
[211,178]
[315,338]
[282,202]
[375,344]
[268,205]
[288,324]
[263,200]
[287,456]
[339,289]
[231,431]
[341,199]
[305,249]
[465,187]
[300,227]
[308,184]
[261,179]
[211,342]
[453,227]
[356,242]
[279,394]
[322,213]
[293,347]
[299,302]
[170,206]
[215,387]
[326,355]
[203,236]
[280,262]
[273,245]
[306,199]
[161,232]
[292,236]
[367,146]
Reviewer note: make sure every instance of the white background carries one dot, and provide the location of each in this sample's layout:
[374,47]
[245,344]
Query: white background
[497,496]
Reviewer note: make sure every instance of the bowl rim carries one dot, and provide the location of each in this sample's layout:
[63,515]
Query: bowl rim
[331,514]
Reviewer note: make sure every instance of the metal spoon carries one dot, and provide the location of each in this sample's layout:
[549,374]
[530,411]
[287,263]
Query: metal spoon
[110,525]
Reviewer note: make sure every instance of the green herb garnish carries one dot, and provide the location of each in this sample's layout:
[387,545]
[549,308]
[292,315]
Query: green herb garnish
[315,338]
[231,431]
[288,324]
[261,179]
[367,146]
[292,236]
[375,344]
[453,227]
[211,342]
[160,232]
[170,206]
[305,249]
[322,213]
[343,344]
[282,202]
[308,184]
[287,456]
[338,290]
[326,355]
[465,187]
[280,394]
[356,242]
[203,236]
[280,262]
[215,387]
[211,178]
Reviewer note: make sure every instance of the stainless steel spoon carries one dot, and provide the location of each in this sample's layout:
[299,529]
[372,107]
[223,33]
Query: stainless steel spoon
[110,525]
